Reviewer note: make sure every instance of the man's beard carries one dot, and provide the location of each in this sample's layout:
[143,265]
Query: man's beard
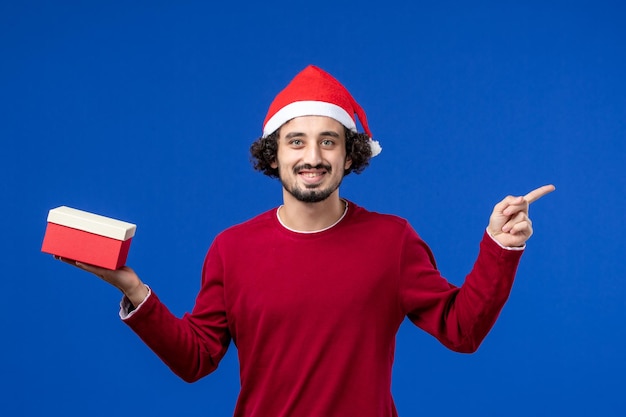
[310,194]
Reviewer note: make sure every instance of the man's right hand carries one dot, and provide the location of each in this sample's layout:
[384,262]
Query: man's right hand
[124,279]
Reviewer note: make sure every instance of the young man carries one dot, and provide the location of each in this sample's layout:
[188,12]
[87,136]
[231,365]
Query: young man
[313,292]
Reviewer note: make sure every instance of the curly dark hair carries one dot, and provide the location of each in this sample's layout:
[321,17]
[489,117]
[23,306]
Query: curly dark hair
[263,152]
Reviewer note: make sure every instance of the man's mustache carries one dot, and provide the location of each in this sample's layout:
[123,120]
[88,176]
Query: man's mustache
[299,168]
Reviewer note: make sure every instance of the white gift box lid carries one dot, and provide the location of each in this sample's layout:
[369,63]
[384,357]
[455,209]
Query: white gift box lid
[92,223]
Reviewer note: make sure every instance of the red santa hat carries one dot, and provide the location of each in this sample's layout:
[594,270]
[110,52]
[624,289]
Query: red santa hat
[314,92]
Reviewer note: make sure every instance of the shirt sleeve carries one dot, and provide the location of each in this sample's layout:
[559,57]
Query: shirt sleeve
[191,346]
[459,317]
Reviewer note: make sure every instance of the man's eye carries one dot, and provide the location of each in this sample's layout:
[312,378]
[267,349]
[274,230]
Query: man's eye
[328,142]
[296,142]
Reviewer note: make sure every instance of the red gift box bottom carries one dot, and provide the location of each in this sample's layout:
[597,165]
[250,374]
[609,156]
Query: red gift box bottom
[85,247]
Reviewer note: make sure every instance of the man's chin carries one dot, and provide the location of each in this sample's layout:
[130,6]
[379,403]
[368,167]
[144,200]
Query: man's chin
[310,196]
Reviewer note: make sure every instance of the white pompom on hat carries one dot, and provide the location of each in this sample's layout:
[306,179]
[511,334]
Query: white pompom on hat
[314,92]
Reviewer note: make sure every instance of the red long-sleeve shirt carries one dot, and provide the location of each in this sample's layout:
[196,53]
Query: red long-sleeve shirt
[314,315]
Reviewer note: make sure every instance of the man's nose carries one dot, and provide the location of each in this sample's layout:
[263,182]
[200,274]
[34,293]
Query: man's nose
[313,155]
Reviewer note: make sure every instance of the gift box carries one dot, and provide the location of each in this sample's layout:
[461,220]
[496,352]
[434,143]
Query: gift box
[87,237]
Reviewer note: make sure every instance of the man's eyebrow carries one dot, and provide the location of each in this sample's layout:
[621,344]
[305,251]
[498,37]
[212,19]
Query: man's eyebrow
[293,135]
[331,133]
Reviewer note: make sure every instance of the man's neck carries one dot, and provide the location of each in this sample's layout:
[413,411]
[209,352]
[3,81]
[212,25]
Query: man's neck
[310,217]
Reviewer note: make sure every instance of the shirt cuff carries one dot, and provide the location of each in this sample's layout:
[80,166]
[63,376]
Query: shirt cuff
[127,309]
[506,247]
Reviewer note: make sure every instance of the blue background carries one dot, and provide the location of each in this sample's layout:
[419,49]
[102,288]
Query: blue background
[144,111]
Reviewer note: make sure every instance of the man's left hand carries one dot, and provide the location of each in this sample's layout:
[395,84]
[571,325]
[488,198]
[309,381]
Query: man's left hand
[509,223]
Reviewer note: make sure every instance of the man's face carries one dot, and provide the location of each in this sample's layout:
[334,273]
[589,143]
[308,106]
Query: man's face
[311,157]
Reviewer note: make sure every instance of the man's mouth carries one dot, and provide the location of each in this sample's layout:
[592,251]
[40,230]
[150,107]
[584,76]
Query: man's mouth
[312,178]
[311,174]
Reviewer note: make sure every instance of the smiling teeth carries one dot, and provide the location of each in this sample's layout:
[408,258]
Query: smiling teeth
[311,175]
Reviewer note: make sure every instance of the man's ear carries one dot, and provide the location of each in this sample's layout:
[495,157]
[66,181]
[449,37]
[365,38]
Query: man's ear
[274,164]
[348,163]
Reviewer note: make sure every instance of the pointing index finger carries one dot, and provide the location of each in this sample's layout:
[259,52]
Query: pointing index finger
[536,194]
